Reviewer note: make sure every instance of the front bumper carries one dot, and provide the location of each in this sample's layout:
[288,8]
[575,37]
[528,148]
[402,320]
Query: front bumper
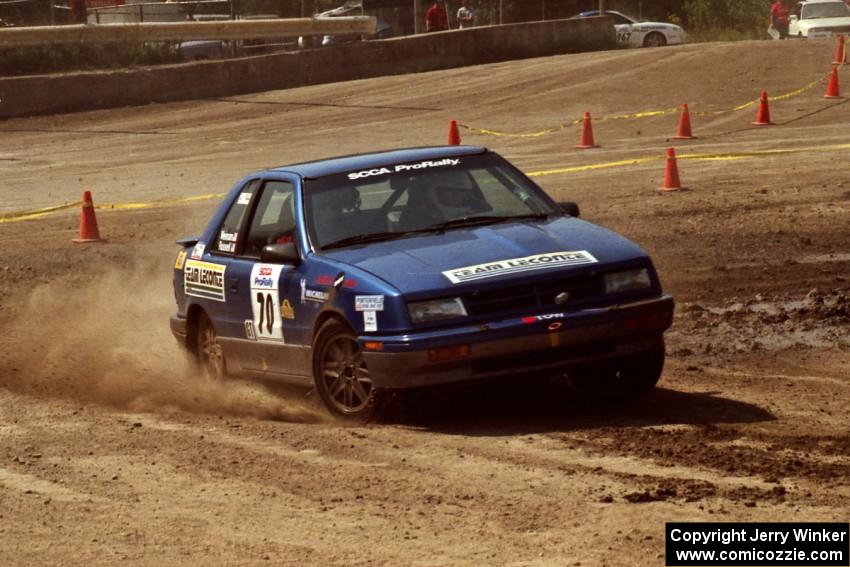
[548,342]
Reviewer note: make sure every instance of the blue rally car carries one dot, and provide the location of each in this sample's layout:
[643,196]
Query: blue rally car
[365,274]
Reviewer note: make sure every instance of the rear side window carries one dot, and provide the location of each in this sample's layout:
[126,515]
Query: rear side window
[227,239]
[274,219]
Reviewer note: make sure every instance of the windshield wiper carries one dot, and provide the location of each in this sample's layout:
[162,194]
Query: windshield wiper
[362,239]
[482,219]
[439,227]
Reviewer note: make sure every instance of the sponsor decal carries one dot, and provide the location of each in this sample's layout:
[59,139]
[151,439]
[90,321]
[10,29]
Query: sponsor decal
[198,251]
[547,317]
[204,279]
[286,310]
[402,167]
[249,330]
[315,295]
[519,265]
[369,303]
[265,302]
[265,276]
[227,236]
[370,321]
[337,281]
[244,199]
[555,326]
[303,291]
[181,258]
[227,247]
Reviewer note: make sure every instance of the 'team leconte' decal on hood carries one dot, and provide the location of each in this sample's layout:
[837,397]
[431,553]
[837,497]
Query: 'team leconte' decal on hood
[402,167]
[515,265]
[203,279]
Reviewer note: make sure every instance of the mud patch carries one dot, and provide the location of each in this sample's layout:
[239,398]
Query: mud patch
[820,319]
[105,339]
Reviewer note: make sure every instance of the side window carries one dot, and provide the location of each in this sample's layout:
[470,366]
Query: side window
[274,218]
[227,239]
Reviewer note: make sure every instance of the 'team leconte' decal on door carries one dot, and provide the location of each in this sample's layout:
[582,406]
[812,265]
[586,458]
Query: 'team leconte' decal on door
[204,279]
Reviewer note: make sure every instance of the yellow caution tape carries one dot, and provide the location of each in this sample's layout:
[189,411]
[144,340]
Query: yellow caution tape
[38,213]
[731,156]
[640,115]
[23,215]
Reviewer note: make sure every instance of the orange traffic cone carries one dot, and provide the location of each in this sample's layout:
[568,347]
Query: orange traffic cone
[88,222]
[586,134]
[454,134]
[832,88]
[841,51]
[763,115]
[671,173]
[684,132]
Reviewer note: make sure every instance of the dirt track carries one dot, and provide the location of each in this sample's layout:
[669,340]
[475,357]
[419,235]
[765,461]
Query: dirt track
[113,452]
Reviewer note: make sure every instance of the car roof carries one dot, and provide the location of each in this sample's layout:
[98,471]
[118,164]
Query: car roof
[358,162]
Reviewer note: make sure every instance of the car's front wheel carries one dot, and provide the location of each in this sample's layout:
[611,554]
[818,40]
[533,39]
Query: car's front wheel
[655,39]
[340,373]
[620,380]
[210,353]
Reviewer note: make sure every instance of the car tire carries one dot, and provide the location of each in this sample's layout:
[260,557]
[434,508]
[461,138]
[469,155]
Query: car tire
[340,375]
[620,380]
[655,39]
[209,351]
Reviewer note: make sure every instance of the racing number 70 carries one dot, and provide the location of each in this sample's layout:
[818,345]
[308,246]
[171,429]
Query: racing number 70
[266,312]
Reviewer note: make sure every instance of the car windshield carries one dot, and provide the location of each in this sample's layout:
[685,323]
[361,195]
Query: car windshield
[827,10]
[398,200]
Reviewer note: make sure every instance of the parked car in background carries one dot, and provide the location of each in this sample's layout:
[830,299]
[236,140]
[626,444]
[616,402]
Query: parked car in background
[819,18]
[366,274]
[351,8]
[631,32]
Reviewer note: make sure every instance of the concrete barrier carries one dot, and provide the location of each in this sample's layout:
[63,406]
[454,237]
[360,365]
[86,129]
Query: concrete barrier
[47,94]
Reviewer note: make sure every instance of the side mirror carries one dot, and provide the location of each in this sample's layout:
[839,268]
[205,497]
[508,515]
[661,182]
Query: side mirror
[570,208]
[280,253]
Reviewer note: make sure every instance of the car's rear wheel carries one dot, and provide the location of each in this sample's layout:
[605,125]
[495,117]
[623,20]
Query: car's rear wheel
[620,380]
[655,39]
[210,353]
[340,373]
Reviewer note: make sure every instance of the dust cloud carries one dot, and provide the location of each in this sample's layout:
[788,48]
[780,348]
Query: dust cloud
[105,339]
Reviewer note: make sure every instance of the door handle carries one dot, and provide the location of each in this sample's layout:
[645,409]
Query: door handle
[234,284]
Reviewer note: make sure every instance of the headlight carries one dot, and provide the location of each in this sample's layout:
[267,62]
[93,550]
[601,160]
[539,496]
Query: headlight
[630,280]
[436,309]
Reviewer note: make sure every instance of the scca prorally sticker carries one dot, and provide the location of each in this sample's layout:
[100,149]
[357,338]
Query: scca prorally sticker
[519,265]
[181,258]
[204,279]
[198,251]
[370,321]
[402,168]
[265,302]
[369,303]
[249,330]
[244,199]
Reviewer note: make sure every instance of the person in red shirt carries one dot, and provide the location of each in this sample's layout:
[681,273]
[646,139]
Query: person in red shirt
[436,18]
[779,18]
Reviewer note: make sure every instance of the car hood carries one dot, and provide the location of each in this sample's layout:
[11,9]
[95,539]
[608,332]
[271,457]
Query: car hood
[415,265]
[824,23]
